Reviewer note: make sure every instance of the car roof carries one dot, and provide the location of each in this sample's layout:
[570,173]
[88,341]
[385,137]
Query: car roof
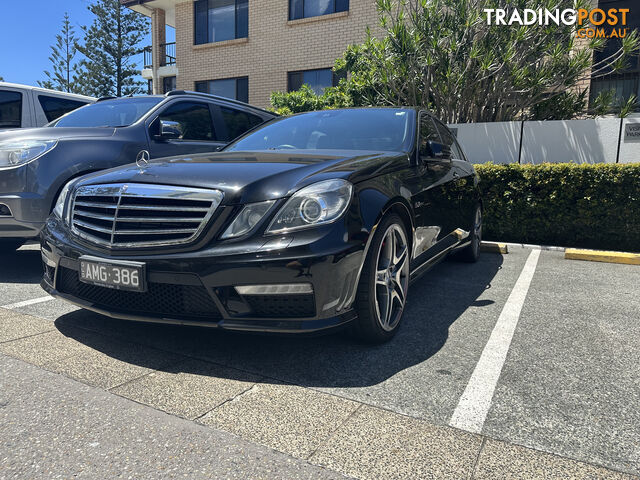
[46,90]
[208,96]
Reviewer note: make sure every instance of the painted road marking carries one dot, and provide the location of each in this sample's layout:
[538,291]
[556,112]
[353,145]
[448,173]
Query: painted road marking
[475,402]
[28,302]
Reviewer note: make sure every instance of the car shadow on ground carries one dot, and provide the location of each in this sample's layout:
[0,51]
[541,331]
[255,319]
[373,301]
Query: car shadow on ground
[21,266]
[333,361]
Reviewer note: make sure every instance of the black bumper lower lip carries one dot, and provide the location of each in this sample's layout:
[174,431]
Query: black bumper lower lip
[247,325]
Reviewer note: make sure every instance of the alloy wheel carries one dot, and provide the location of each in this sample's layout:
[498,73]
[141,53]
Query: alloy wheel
[392,277]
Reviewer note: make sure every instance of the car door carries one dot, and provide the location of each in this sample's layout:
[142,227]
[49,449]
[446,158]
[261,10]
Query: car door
[464,180]
[431,193]
[194,129]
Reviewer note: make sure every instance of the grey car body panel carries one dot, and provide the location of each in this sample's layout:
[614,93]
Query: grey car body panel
[30,190]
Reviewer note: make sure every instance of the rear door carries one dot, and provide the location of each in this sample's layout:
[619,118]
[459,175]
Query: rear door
[196,123]
[463,186]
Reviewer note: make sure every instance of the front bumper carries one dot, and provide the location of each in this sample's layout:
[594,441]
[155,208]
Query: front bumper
[28,210]
[198,287]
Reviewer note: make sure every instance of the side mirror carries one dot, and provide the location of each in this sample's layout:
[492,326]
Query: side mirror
[440,151]
[169,130]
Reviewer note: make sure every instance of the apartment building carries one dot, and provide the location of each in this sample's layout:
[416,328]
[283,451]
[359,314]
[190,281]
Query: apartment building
[246,49]
[627,82]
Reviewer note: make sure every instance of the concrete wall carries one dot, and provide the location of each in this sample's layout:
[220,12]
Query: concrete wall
[497,142]
[579,141]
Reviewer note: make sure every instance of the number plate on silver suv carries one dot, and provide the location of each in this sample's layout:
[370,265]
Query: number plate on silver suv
[113,274]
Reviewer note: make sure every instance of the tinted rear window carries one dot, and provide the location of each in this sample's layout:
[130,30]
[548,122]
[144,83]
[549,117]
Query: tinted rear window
[55,107]
[10,109]
[238,122]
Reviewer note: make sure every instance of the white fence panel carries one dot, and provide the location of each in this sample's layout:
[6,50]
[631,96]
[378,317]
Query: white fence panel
[579,141]
[497,142]
[630,145]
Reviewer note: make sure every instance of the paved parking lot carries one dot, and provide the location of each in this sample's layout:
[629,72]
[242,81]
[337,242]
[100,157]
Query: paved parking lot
[523,365]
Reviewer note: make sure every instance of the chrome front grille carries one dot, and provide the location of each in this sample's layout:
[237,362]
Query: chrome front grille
[131,215]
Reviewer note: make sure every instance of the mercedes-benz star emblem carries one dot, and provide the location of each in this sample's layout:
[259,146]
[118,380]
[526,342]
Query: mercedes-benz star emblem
[142,160]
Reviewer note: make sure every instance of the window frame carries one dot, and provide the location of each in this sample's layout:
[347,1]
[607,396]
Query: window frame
[207,82]
[20,109]
[292,18]
[237,7]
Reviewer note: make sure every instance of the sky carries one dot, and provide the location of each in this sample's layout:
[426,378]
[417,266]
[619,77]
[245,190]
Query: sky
[27,30]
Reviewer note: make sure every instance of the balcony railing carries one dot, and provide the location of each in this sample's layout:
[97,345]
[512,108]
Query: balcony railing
[169,57]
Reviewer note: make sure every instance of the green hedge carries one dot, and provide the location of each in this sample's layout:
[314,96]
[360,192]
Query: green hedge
[565,204]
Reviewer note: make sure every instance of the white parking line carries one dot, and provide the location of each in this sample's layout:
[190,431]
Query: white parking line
[475,402]
[28,302]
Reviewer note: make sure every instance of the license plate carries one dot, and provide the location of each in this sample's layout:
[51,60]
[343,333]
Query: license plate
[113,274]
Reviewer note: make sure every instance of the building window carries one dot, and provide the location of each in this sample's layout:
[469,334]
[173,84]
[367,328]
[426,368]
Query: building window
[219,20]
[622,83]
[236,88]
[314,8]
[318,80]
[168,84]
[10,109]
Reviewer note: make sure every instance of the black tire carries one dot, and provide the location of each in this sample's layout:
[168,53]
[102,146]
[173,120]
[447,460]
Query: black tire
[368,326]
[471,253]
[8,245]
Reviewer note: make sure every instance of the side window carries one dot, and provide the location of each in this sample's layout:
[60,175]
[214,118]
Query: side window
[10,109]
[449,141]
[194,120]
[238,122]
[55,107]
[428,133]
[457,151]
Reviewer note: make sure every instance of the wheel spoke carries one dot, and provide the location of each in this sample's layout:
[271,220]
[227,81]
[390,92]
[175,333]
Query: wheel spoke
[388,307]
[381,277]
[398,260]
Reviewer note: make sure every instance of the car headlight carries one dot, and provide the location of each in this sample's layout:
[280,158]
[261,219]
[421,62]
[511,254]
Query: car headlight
[14,153]
[318,204]
[248,218]
[58,210]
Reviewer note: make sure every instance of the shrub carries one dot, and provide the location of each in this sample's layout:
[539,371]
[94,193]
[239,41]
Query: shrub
[592,206]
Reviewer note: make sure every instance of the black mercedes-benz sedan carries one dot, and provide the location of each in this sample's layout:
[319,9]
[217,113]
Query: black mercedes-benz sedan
[308,222]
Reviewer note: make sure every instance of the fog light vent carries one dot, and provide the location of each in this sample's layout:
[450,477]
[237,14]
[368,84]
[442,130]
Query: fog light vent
[4,210]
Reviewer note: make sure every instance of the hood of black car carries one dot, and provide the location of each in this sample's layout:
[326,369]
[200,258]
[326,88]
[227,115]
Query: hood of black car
[247,177]
[54,133]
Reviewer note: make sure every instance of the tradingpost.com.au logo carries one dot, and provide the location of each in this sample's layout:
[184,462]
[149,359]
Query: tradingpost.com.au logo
[591,23]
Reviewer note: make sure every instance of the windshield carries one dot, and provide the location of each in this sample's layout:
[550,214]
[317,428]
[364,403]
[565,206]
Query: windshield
[120,112]
[380,129]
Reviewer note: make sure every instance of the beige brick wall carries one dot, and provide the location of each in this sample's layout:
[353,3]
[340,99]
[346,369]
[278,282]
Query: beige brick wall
[275,46]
